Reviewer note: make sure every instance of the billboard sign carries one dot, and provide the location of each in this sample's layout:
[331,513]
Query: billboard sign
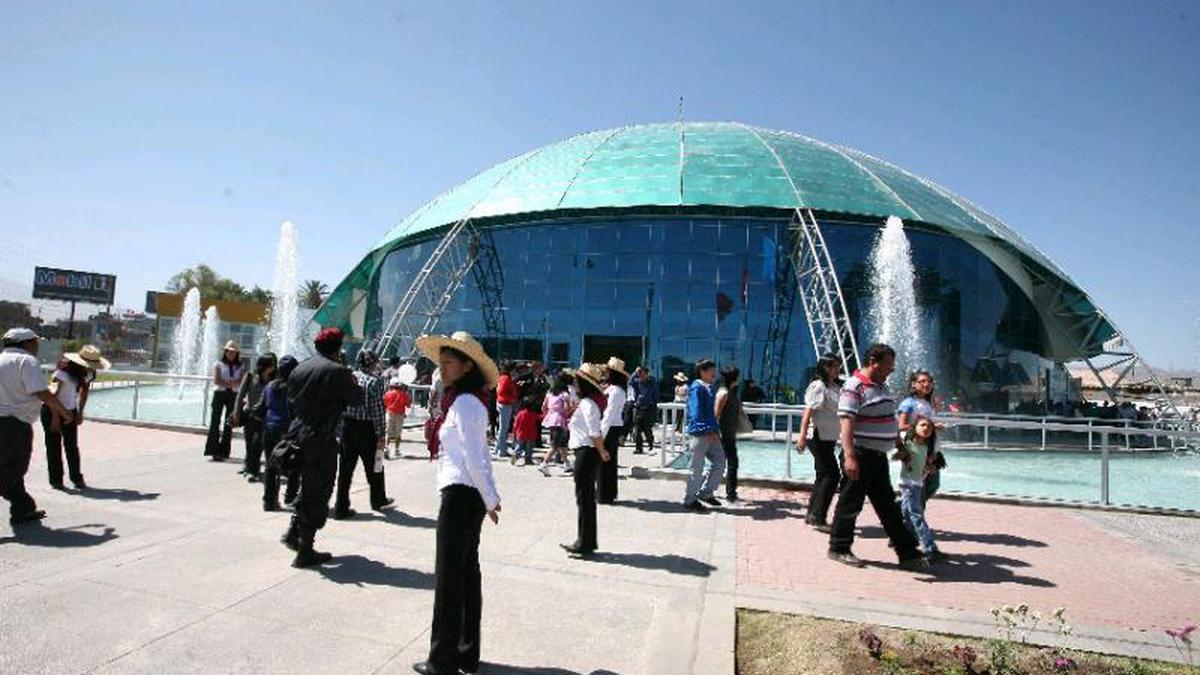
[54,284]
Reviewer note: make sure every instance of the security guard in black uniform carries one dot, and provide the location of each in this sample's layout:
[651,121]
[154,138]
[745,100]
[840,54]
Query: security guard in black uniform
[319,389]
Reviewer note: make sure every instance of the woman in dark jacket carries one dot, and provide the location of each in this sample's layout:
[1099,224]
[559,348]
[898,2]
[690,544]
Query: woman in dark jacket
[729,417]
[276,415]
[248,396]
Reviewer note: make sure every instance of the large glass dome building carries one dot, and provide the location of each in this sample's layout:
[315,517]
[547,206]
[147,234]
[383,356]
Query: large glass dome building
[665,243]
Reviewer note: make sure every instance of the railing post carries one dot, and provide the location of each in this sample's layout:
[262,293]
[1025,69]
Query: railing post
[662,438]
[136,390]
[1043,433]
[774,424]
[986,435]
[1126,434]
[1089,435]
[787,448]
[1104,468]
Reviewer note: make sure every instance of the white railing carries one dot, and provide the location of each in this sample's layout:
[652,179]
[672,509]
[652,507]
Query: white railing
[1175,435]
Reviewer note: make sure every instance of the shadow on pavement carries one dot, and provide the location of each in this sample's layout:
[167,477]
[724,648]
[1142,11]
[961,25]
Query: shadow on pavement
[36,534]
[398,517]
[768,509]
[486,668]
[990,539]
[116,494]
[982,568]
[675,564]
[360,571]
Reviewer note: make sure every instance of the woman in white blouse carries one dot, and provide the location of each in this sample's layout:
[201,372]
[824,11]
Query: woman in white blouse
[612,427]
[587,440]
[468,493]
[821,416]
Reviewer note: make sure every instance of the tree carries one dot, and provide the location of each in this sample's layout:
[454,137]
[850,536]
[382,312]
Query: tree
[313,293]
[212,285]
[17,315]
[260,295]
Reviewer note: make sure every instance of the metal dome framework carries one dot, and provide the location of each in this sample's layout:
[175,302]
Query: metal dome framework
[699,166]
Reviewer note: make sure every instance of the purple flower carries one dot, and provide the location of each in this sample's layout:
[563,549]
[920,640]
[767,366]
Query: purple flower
[1183,634]
[1064,663]
[966,656]
[871,641]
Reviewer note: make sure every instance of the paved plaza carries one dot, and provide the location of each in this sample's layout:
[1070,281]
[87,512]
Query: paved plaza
[168,564]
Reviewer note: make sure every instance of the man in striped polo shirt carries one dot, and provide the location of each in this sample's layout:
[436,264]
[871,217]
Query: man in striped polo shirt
[869,431]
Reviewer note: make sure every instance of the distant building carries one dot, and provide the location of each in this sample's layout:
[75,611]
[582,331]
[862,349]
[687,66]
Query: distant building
[243,322]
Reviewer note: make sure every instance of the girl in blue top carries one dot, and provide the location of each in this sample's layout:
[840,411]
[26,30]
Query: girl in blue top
[915,456]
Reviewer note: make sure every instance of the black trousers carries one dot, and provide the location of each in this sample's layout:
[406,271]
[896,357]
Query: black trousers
[643,427]
[729,445]
[220,434]
[16,449]
[587,470]
[874,483]
[825,485]
[458,594]
[606,478]
[252,430]
[320,453]
[358,443]
[270,436]
[65,439]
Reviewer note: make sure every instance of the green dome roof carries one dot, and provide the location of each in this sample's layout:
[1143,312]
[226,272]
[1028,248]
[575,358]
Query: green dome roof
[696,164]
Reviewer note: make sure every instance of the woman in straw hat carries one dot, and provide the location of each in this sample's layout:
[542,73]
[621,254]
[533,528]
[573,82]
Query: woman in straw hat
[227,377]
[612,426]
[587,440]
[69,384]
[468,490]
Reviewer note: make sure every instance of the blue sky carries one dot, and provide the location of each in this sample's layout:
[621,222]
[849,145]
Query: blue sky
[140,137]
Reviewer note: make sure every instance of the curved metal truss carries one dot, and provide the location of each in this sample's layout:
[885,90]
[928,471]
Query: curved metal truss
[829,323]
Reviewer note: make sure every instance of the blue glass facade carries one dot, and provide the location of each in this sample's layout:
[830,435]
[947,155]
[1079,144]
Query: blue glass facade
[668,290]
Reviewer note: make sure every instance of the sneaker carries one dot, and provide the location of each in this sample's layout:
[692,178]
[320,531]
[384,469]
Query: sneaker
[696,506]
[383,504]
[935,556]
[846,558]
[711,501]
[823,528]
[916,563]
[545,470]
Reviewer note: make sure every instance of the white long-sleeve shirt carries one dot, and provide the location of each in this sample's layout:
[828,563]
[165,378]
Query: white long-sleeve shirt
[464,457]
[584,425]
[613,409]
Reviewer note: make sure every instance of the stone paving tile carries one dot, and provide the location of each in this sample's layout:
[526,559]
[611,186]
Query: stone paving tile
[1045,557]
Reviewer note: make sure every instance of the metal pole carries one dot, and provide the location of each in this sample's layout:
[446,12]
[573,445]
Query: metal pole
[788,449]
[774,423]
[1043,433]
[1126,434]
[986,436]
[1089,435]
[1104,468]
[662,438]
[136,390]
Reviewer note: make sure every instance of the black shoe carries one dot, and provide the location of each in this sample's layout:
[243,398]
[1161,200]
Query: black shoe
[58,486]
[935,556]
[823,528]
[711,501]
[383,504]
[79,484]
[696,506]
[344,514]
[289,501]
[917,563]
[846,558]
[291,539]
[308,558]
[28,517]
[427,668]
[253,478]
[271,506]
[732,499]
[576,550]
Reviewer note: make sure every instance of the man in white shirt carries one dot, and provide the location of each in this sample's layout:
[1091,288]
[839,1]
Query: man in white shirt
[23,390]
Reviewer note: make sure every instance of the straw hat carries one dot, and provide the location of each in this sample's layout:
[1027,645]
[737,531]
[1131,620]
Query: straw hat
[431,347]
[680,377]
[232,346]
[591,372]
[616,364]
[89,357]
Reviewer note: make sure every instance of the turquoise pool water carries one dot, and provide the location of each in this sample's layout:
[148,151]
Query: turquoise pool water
[1158,479]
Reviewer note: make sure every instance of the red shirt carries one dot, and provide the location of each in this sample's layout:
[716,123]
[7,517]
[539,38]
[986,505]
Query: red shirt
[396,401]
[526,427]
[506,391]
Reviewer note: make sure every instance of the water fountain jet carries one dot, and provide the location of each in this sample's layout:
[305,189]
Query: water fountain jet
[894,311]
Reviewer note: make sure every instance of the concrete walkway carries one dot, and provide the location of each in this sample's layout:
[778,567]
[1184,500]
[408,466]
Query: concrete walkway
[169,564]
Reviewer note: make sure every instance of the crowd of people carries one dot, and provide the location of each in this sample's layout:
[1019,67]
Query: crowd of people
[310,424]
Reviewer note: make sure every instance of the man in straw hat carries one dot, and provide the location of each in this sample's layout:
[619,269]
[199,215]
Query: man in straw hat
[319,389]
[70,384]
[23,390]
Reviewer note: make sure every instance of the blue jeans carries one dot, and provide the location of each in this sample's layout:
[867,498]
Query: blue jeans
[502,428]
[525,448]
[700,485]
[912,505]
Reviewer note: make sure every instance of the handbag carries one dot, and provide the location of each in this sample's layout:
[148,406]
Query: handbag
[744,426]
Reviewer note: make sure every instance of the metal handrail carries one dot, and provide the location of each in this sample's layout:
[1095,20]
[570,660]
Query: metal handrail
[668,435]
